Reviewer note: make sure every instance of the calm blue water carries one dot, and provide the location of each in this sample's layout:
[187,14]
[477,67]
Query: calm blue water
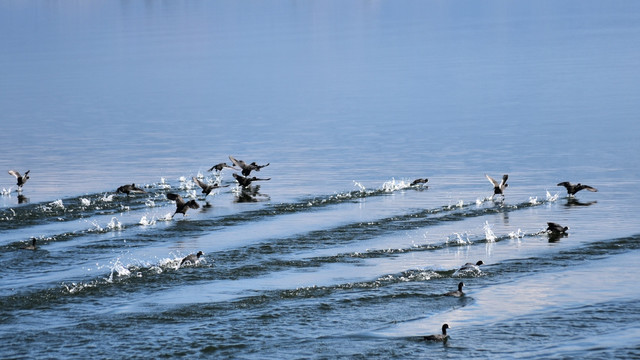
[335,255]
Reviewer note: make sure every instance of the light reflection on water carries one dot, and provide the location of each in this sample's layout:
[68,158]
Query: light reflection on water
[567,288]
[336,96]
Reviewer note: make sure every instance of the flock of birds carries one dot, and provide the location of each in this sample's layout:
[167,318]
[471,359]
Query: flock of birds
[554,230]
[244,181]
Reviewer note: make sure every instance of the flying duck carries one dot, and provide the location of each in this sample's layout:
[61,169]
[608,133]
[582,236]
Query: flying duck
[181,206]
[22,179]
[246,168]
[246,181]
[572,189]
[206,188]
[498,188]
[219,167]
[439,337]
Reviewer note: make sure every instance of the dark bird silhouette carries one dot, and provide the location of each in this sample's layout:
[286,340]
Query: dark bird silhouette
[206,188]
[246,181]
[498,188]
[456,293]
[556,229]
[32,246]
[572,189]
[471,266]
[219,167]
[439,337]
[419,181]
[192,258]
[130,189]
[246,168]
[181,205]
[22,179]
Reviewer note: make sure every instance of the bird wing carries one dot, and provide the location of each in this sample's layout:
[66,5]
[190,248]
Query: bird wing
[193,204]
[238,163]
[492,180]
[200,183]
[177,198]
[504,180]
[587,187]
[566,184]
[15,173]
[256,179]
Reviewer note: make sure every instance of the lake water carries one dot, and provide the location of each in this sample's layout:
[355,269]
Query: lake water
[335,255]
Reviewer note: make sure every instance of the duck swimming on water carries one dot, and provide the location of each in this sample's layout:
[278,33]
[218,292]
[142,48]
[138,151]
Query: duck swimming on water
[32,246]
[419,181]
[556,229]
[471,266]
[130,189]
[439,337]
[192,258]
[456,293]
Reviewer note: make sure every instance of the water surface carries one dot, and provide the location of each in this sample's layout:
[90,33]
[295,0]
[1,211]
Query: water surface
[337,255]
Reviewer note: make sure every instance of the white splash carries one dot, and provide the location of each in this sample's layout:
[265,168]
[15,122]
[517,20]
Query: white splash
[114,224]
[552,197]
[166,217]
[533,200]
[85,201]
[57,204]
[489,235]
[516,234]
[145,222]
[5,192]
[150,203]
[182,179]
[218,178]
[199,175]
[191,194]
[359,185]
[107,198]
[187,185]
[119,270]
[163,184]
[96,226]
[460,239]
[460,203]
[394,185]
